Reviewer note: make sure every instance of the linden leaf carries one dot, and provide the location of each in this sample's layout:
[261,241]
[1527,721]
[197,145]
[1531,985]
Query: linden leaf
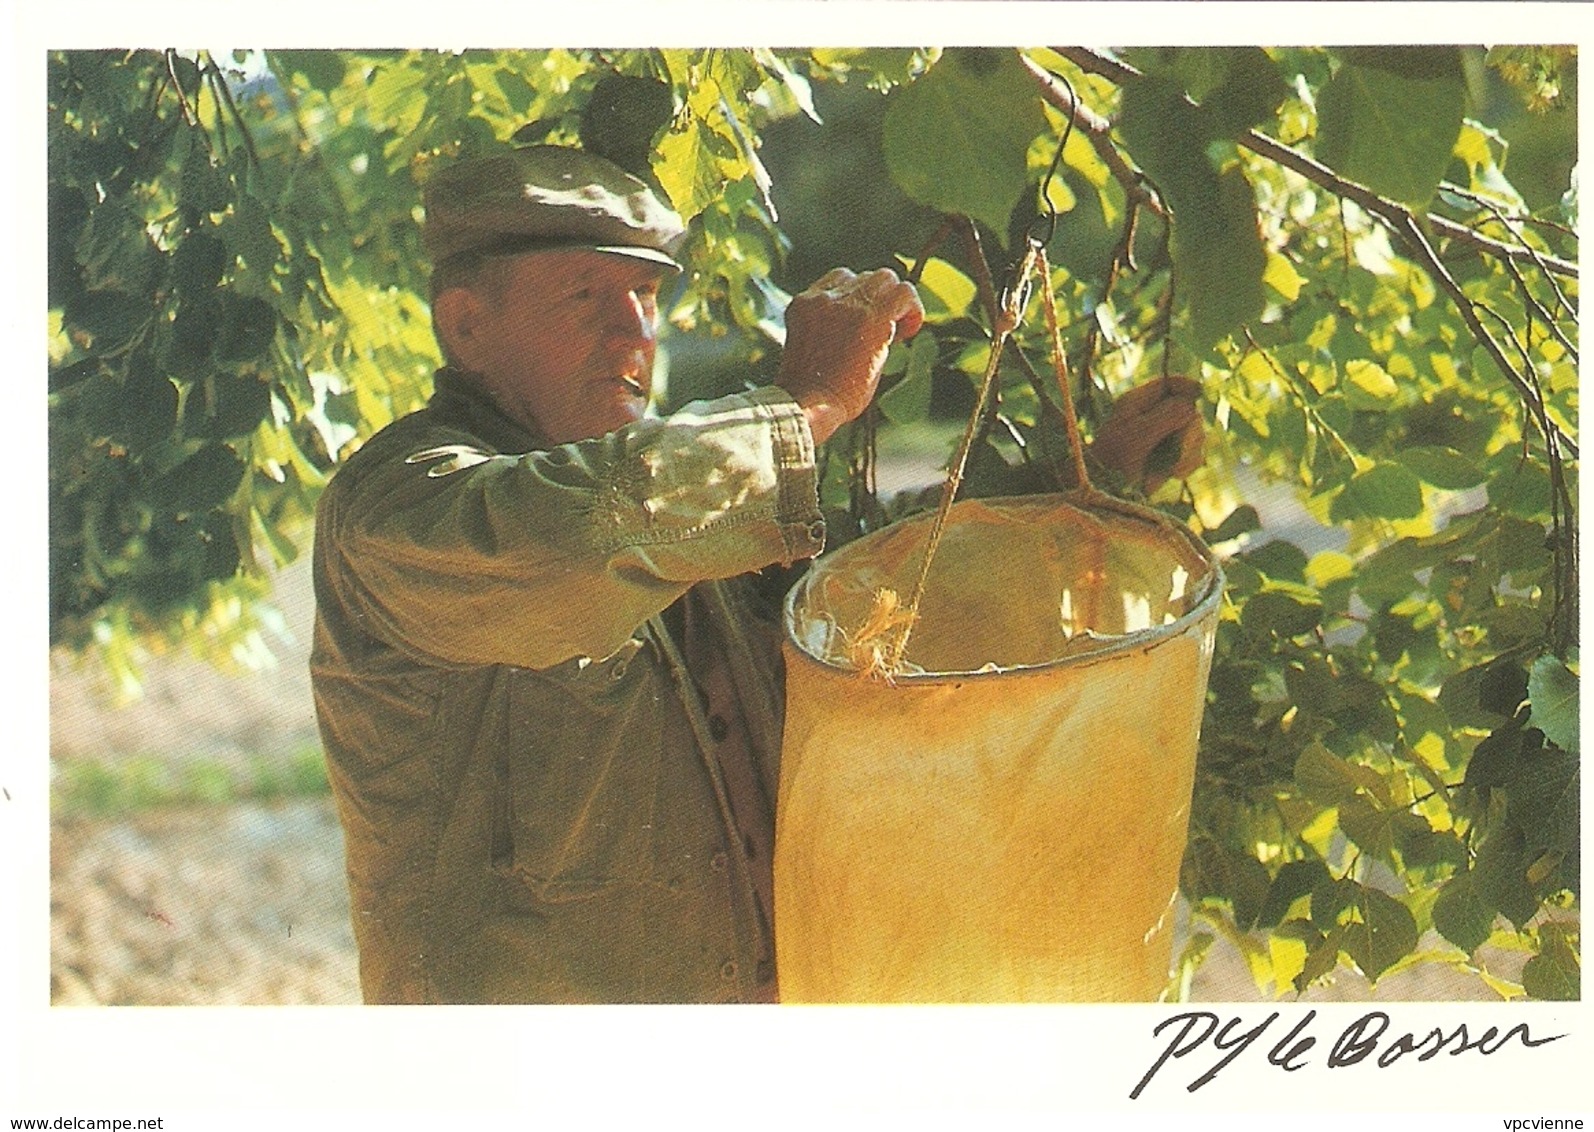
[1462,915]
[1552,690]
[957,139]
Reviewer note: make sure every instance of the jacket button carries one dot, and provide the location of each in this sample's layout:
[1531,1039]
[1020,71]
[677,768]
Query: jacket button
[816,530]
[618,671]
[718,862]
[718,728]
[728,971]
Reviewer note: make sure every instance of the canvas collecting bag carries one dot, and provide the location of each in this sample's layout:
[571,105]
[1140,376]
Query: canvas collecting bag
[999,816]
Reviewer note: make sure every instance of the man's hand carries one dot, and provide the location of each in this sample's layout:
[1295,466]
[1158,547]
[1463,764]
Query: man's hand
[837,335]
[1155,433]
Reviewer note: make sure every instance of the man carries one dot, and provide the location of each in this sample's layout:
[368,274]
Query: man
[552,727]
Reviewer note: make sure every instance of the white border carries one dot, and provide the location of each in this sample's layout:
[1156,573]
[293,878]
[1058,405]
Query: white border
[329,1067]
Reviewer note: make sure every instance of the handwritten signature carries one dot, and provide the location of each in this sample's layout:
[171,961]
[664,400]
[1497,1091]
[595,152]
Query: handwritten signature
[1361,1040]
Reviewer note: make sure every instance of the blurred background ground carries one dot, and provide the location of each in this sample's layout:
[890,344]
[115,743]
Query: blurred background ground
[195,856]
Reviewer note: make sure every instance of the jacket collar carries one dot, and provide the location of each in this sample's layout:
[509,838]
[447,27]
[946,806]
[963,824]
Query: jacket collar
[459,399]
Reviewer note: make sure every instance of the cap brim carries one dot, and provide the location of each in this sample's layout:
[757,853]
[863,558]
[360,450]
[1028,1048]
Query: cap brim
[653,255]
[513,246]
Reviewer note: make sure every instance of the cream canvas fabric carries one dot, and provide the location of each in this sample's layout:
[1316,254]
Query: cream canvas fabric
[1004,822]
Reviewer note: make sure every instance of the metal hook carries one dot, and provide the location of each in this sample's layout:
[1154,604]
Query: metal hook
[1048,211]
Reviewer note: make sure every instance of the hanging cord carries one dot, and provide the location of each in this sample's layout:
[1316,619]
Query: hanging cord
[1011,313]
[870,657]
[1076,446]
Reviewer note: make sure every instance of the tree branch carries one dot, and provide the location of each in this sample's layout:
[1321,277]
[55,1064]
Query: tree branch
[189,116]
[1320,174]
[219,83]
[1532,252]
[1097,129]
[1400,219]
[1414,235]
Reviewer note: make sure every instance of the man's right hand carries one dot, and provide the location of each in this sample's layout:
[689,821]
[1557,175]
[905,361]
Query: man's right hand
[837,335]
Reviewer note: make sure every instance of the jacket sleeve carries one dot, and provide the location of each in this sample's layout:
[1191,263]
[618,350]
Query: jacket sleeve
[456,554]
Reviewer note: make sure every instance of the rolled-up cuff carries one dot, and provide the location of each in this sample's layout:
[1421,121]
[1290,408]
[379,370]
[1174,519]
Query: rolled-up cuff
[797,510]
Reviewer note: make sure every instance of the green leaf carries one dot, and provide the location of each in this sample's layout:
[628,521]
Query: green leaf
[1274,611]
[1391,122]
[143,409]
[1520,487]
[1198,71]
[323,70]
[1294,880]
[1329,780]
[249,236]
[1442,467]
[1384,491]
[1462,915]
[1248,888]
[1214,871]
[688,169]
[1249,94]
[1312,685]
[1218,256]
[1382,933]
[1368,386]
[187,74]
[1239,521]
[206,479]
[247,328]
[225,407]
[957,139]
[204,188]
[1552,690]
[908,401]
[1379,832]
[1501,872]
[1236,87]
[1463,694]
[106,321]
[1219,259]
[1329,900]
[198,263]
[1281,561]
[945,291]
[1502,687]
[1281,276]
[1492,760]
[193,337]
[1542,788]
[1555,973]
[1434,847]
[1322,958]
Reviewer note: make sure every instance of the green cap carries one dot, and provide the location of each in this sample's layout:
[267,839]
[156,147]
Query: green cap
[546,197]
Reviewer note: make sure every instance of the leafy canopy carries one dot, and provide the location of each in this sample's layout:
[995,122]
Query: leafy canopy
[1364,257]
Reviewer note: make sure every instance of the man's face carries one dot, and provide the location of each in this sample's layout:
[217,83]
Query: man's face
[566,341]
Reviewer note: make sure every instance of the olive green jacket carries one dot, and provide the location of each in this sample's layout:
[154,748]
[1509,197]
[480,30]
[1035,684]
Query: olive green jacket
[533,806]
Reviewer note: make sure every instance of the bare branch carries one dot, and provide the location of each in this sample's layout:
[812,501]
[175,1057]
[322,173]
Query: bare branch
[1414,235]
[1320,174]
[1123,255]
[191,116]
[1098,130]
[1401,221]
[974,252]
[219,83]
[1533,253]
[916,272]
